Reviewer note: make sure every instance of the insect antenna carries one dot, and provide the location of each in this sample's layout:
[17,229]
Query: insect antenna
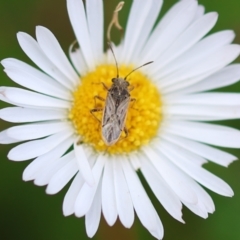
[110,46]
[137,69]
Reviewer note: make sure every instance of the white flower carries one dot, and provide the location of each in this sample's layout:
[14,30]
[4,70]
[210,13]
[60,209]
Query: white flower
[168,138]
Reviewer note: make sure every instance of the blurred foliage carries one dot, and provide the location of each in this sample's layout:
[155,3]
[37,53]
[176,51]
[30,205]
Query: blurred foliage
[26,212]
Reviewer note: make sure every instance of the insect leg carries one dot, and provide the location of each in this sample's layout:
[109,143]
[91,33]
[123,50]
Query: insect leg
[133,100]
[130,88]
[104,85]
[96,110]
[99,98]
[126,132]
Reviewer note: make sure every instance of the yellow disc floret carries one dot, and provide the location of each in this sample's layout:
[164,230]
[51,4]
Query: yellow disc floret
[143,117]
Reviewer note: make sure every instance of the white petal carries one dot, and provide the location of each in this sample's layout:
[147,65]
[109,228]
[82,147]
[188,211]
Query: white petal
[94,11]
[197,209]
[45,174]
[7,100]
[204,201]
[200,12]
[224,77]
[62,177]
[83,164]
[33,79]
[200,50]
[86,195]
[203,197]
[54,52]
[78,20]
[32,99]
[197,118]
[210,153]
[164,194]
[20,115]
[168,29]
[174,88]
[204,177]
[78,60]
[167,170]
[130,28]
[134,28]
[123,197]
[142,204]
[32,170]
[109,207]
[5,139]
[35,53]
[159,231]
[189,156]
[93,216]
[186,76]
[203,112]
[188,38]
[36,148]
[71,195]
[208,133]
[215,99]
[73,191]
[136,164]
[34,131]
[146,28]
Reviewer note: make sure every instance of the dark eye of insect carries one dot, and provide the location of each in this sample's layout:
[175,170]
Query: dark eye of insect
[113,80]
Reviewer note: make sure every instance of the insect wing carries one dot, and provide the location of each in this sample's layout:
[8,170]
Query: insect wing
[122,112]
[110,128]
[109,109]
[111,132]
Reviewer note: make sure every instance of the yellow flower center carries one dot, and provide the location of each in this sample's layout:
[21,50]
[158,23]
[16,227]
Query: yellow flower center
[143,116]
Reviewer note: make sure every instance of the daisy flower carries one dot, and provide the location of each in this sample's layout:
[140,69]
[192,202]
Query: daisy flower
[168,138]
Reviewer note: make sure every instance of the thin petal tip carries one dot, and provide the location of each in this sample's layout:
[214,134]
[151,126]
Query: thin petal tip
[19,34]
[40,28]
[9,156]
[67,213]
[3,62]
[25,177]
[50,191]
[181,220]
[79,214]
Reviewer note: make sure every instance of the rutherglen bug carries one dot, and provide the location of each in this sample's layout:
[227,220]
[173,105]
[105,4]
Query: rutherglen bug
[116,107]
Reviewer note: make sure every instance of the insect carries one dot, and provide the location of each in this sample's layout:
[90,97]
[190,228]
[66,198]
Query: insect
[116,107]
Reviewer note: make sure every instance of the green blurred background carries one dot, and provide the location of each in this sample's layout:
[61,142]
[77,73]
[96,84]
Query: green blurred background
[26,212]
